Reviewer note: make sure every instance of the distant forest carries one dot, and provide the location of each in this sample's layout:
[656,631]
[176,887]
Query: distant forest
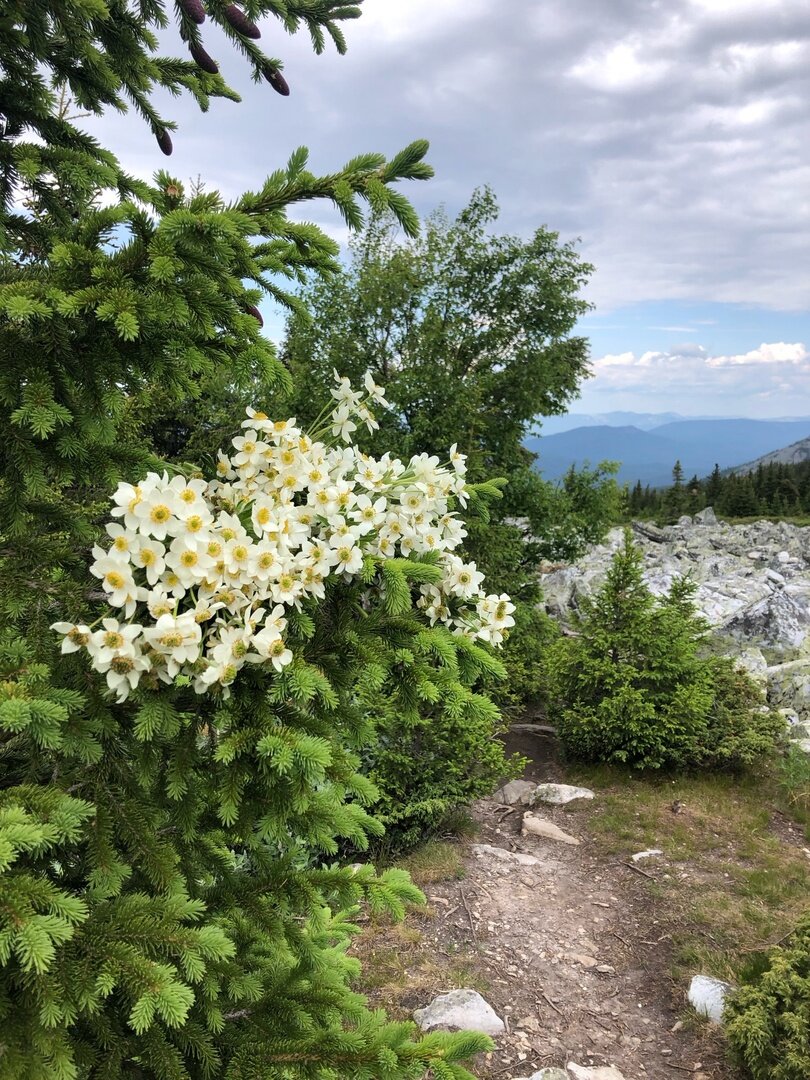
[774,490]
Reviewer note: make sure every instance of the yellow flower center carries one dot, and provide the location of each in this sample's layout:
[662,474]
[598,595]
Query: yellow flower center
[464,578]
[266,560]
[277,648]
[194,523]
[172,640]
[114,580]
[160,514]
[240,553]
[239,649]
[121,665]
[188,495]
[260,416]
[112,640]
[344,554]
[263,515]
[249,448]
[280,425]
[77,637]
[228,534]
[147,557]
[214,549]
[189,558]
[121,544]
[286,581]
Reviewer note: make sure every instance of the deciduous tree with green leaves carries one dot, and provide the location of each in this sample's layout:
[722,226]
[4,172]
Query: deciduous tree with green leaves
[474,334]
[170,907]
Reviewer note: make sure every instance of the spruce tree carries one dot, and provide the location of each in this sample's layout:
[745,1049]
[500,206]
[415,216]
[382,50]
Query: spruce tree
[170,907]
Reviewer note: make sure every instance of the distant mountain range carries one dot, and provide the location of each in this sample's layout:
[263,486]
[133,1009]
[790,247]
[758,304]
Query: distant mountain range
[794,454]
[647,453]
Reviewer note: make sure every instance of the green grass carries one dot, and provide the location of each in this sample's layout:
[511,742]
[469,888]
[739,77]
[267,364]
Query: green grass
[748,877]
[436,860]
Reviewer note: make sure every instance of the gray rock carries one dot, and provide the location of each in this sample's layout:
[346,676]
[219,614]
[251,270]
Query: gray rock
[561,794]
[650,853]
[516,793]
[546,1074]
[460,1010]
[504,855]
[707,996]
[598,1072]
[706,517]
[541,730]
[537,826]
[684,521]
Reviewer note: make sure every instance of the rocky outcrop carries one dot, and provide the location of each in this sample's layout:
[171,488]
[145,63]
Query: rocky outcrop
[753,588]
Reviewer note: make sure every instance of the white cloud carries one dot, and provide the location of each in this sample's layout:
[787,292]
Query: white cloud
[772,379]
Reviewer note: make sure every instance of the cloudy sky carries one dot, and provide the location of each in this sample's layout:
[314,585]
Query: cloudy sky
[671,136]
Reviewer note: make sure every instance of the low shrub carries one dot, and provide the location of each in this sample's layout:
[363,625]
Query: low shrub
[635,684]
[768,1021]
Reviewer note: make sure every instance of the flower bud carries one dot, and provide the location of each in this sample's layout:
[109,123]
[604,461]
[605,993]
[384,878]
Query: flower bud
[202,59]
[240,22]
[276,80]
[164,141]
[194,10]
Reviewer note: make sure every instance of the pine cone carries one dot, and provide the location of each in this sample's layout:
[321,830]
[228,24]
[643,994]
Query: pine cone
[251,309]
[240,22]
[194,10]
[202,59]
[276,80]
[164,142]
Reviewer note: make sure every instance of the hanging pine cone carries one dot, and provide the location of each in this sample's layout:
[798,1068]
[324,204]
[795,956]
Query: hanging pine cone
[251,309]
[276,80]
[164,142]
[240,22]
[202,59]
[194,10]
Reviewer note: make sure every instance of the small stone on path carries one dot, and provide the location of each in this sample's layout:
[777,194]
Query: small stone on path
[546,1074]
[516,793]
[560,794]
[460,1010]
[584,960]
[599,1072]
[648,854]
[707,996]
[537,826]
[503,854]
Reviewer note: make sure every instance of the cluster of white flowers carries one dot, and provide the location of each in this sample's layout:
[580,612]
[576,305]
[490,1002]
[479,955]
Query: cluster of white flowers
[204,573]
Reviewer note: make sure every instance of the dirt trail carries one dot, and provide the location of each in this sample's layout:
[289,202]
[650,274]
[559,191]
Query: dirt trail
[569,952]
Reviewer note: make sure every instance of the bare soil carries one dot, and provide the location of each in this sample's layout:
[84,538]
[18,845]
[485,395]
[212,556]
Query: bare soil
[573,952]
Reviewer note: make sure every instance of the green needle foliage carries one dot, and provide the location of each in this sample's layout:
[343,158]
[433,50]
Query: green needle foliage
[170,904]
[768,1020]
[635,685]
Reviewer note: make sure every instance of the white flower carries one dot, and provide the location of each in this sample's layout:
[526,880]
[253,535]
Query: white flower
[148,555]
[76,636]
[369,515]
[156,511]
[124,672]
[116,577]
[177,638]
[375,393]
[463,579]
[342,424]
[114,639]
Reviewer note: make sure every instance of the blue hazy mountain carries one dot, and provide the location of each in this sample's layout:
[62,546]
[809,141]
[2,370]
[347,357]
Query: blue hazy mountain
[648,455]
[555,425]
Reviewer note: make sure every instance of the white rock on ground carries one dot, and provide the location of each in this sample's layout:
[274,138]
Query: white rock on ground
[516,793]
[546,1074]
[650,853]
[503,854]
[537,826]
[560,794]
[598,1072]
[707,996]
[460,1010]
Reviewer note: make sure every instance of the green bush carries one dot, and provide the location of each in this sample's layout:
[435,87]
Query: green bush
[768,1021]
[435,750]
[635,686]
